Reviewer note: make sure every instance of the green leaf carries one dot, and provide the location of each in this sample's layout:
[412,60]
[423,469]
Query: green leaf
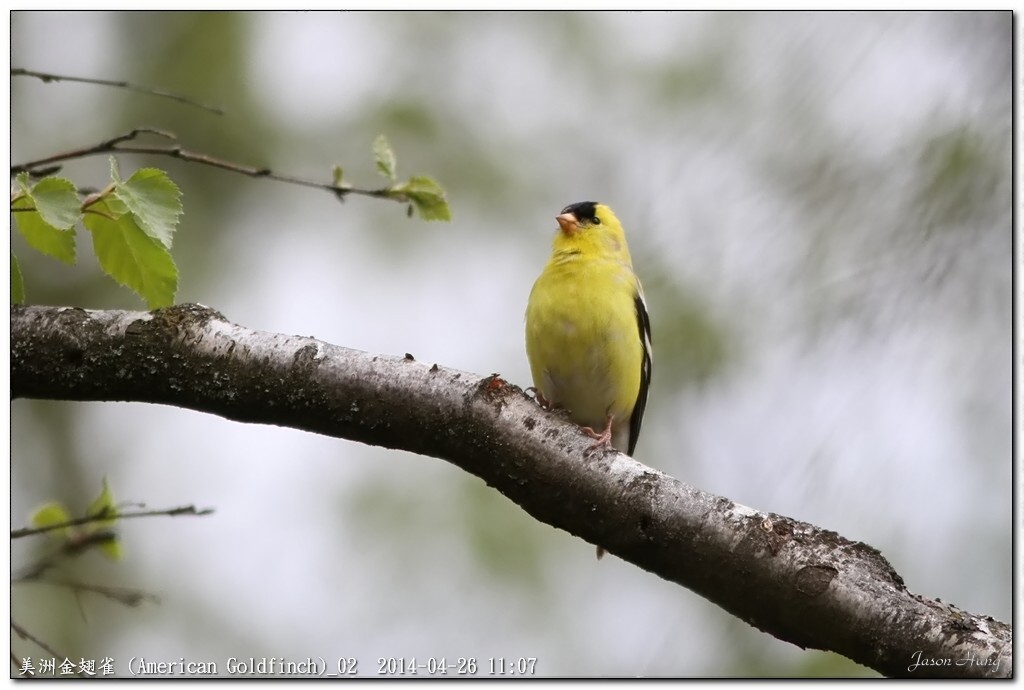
[154,200]
[102,505]
[427,196]
[52,514]
[45,214]
[55,199]
[130,256]
[40,235]
[111,547]
[115,171]
[384,156]
[17,282]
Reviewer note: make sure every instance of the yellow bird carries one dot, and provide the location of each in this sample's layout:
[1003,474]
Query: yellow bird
[588,335]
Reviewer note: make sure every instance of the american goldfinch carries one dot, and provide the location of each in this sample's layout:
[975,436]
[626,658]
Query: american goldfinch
[588,336]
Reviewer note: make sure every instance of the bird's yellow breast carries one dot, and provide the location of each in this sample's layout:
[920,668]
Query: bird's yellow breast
[582,339]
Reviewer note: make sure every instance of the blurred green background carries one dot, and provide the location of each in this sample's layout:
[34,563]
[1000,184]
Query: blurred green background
[819,205]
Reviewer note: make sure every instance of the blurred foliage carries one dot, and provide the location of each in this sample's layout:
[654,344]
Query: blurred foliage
[822,665]
[506,544]
[961,173]
[696,340]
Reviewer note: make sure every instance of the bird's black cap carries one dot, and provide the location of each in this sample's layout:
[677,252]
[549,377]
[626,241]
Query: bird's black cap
[585,211]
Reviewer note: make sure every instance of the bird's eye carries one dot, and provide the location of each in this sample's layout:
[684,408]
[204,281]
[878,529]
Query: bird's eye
[596,221]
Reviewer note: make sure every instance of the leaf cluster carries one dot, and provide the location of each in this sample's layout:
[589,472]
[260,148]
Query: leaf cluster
[425,194]
[95,529]
[131,222]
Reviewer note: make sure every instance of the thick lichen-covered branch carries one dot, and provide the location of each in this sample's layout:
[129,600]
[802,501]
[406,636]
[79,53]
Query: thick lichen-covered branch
[798,582]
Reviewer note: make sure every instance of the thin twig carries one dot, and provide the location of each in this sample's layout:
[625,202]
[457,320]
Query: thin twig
[122,595]
[102,517]
[47,78]
[116,145]
[26,635]
[71,548]
[105,146]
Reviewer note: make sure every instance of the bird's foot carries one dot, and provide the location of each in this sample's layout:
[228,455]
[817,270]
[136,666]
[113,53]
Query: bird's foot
[603,438]
[541,400]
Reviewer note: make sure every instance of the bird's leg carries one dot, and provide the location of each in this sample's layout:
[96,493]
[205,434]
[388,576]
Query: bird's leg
[604,438]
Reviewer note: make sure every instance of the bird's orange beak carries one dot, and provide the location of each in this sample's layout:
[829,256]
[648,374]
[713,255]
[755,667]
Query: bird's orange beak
[568,223]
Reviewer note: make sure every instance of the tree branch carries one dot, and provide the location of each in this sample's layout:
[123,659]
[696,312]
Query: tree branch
[798,582]
[118,144]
